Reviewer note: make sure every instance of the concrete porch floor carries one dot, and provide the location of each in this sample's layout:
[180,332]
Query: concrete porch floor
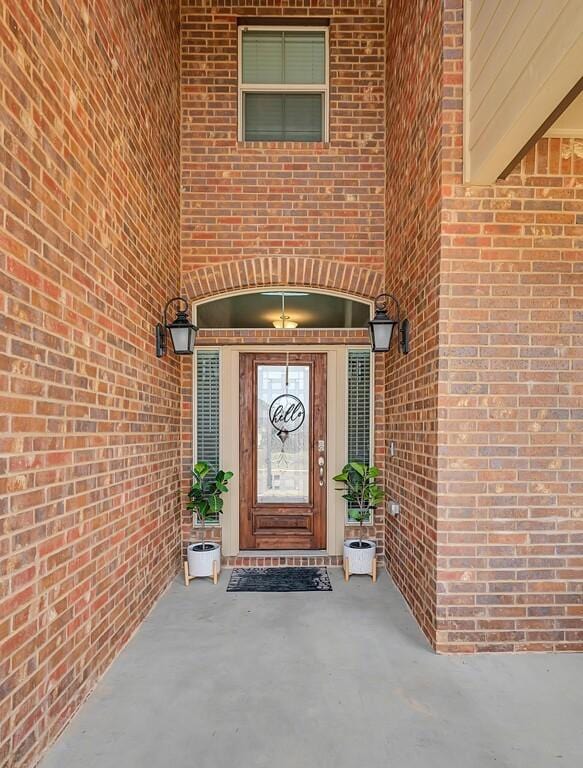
[318,680]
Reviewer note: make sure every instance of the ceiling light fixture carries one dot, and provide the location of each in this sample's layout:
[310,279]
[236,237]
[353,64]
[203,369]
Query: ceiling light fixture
[284,321]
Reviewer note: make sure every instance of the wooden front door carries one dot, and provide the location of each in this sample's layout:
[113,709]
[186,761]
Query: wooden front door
[282,458]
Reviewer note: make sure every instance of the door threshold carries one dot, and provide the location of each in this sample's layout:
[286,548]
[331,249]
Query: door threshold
[283,553]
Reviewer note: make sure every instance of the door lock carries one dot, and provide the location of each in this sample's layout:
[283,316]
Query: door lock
[321,466]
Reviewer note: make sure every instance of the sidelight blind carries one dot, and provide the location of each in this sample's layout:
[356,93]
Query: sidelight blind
[359,406]
[207,408]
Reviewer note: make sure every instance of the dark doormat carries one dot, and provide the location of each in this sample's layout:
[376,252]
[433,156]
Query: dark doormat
[279,580]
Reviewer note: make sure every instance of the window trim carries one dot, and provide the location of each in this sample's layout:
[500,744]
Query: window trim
[322,88]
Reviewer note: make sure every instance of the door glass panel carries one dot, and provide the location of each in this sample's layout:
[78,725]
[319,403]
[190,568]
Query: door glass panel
[283,434]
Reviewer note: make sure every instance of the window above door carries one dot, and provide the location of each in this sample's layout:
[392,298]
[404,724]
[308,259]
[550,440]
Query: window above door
[283,308]
[283,83]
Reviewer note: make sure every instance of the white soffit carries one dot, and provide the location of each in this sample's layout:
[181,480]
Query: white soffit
[521,59]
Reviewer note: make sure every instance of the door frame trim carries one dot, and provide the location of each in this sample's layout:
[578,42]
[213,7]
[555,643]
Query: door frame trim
[336,390]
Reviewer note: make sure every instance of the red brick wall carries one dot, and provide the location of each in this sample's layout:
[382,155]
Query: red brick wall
[90,419]
[413,104]
[510,551]
[270,213]
[485,411]
[254,199]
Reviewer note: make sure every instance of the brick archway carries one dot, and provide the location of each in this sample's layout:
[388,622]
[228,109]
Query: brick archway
[283,270]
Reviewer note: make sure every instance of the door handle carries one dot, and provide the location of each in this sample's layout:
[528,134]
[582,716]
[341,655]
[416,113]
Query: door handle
[321,466]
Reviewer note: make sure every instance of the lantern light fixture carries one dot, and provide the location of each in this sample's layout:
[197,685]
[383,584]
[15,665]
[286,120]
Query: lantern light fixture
[384,322]
[182,332]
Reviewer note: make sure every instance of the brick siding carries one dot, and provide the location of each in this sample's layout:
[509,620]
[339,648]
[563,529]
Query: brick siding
[510,530]
[485,411]
[261,214]
[242,199]
[90,419]
[412,273]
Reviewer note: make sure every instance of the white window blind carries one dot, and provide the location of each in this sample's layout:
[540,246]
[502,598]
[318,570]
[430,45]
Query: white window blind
[207,408]
[359,407]
[285,116]
[281,57]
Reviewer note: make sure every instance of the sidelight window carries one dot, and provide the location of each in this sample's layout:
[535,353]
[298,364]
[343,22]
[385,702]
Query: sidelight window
[206,410]
[359,406]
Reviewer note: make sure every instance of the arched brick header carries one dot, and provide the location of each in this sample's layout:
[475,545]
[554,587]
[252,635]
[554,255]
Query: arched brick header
[283,270]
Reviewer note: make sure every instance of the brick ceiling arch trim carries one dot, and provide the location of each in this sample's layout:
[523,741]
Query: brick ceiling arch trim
[300,271]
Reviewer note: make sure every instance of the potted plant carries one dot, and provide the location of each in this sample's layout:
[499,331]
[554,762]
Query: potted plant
[205,499]
[363,494]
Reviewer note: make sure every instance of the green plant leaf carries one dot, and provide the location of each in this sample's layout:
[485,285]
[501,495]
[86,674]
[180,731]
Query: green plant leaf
[358,467]
[206,490]
[362,491]
[376,494]
[215,504]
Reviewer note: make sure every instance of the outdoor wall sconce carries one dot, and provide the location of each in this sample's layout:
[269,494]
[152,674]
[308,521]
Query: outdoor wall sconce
[382,325]
[182,331]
